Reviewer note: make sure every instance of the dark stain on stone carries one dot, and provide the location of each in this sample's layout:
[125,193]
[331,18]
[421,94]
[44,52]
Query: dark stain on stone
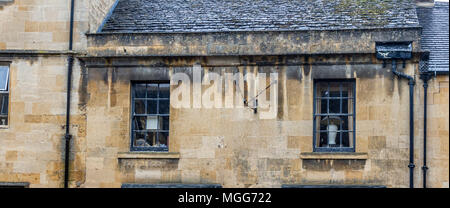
[294,72]
[113,93]
[377,142]
[306,66]
[241,164]
[275,164]
[30,59]
[286,171]
[328,72]
[105,77]
[143,74]
[263,47]
[327,165]
[281,60]
[280,113]
[126,165]
[82,90]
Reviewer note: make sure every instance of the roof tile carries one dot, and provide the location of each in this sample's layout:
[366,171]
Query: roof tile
[258,15]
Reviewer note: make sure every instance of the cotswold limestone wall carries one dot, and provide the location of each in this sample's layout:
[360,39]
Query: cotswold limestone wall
[235,148]
[437,132]
[32,32]
[31,145]
[42,25]
[98,11]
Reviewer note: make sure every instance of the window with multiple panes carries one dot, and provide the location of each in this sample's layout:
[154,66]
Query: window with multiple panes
[4,95]
[334,116]
[150,116]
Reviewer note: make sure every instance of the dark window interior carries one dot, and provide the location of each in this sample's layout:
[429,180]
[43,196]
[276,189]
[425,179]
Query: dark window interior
[334,115]
[4,95]
[150,122]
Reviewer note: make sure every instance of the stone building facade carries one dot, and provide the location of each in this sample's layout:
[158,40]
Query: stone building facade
[122,46]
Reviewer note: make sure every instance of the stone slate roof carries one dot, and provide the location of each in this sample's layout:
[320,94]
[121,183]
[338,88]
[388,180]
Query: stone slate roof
[258,15]
[434,21]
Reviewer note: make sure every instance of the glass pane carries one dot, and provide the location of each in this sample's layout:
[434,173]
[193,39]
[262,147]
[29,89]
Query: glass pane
[164,90]
[322,90]
[139,139]
[4,109]
[4,74]
[330,127]
[152,90]
[334,130]
[344,142]
[334,89]
[163,139]
[152,123]
[164,106]
[345,105]
[139,91]
[3,120]
[348,89]
[152,106]
[139,123]
[139,107]
[327,130]
[164,122]
[334,105]
[4,103]
[323,108]
[151,138]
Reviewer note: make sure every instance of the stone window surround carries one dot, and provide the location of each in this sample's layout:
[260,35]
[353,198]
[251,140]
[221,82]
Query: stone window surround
[158,114]
[352,115]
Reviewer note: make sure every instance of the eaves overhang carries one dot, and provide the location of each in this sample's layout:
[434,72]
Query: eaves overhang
[246,42]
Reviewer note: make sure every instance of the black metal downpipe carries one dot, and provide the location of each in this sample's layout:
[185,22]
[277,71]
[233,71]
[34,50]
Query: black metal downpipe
[67,136]
[425,76]
[411,84]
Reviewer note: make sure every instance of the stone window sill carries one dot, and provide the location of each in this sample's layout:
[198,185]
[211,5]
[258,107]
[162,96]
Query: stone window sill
[334,155]
[148,155]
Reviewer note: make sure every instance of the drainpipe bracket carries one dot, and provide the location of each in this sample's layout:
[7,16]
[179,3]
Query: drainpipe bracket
[425,76]
[68,137]
[411,165]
